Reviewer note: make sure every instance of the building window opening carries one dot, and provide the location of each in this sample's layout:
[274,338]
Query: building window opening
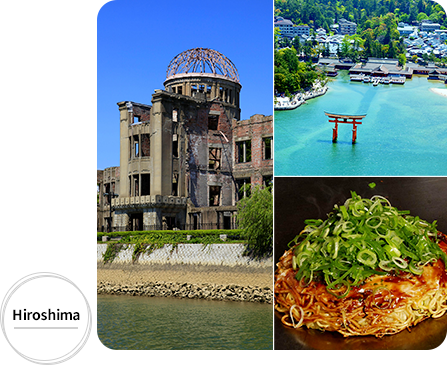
[215,155]
[179,90]
[208,89]
[227,220]
[213,122]
[136,222]
[107,192]
[201,88]
[214,196]
[175,145]
[136,146]
[267,142]
[243,151]
[220,93]
[145,145]
[175,185]
[136,191]
[195,221]
[243,187]
[174,115]
[193,90]
[136,119]
[145,184]
[168,223]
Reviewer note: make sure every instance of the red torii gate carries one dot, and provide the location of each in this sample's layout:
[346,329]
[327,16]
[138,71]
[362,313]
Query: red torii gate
[347,119]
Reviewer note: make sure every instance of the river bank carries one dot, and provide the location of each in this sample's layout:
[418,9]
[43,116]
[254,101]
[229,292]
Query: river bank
[221,273]
[192,283]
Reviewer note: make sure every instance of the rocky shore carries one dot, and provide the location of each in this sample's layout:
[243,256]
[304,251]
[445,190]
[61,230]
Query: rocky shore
[190,291]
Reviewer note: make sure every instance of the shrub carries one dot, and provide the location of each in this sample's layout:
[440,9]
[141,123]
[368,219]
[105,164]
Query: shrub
[255,218]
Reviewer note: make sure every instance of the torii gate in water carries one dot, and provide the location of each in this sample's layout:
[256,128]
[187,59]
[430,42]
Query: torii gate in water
[347,119]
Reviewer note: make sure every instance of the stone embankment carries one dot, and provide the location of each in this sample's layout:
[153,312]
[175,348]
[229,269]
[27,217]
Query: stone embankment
[217,272]
[191,291]
[284,103]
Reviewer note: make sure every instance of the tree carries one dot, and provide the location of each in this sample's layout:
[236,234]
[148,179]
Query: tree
[421,16]
[255,218]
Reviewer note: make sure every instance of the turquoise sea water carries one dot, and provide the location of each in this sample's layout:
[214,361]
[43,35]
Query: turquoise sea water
[153,323]
[403,134]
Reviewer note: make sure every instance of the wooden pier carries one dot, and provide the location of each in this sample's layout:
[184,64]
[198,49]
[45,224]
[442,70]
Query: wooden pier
[345,119]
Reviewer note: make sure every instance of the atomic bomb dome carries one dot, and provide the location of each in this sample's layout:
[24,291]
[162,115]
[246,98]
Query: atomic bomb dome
[205,73]
[185,159]
[202,60]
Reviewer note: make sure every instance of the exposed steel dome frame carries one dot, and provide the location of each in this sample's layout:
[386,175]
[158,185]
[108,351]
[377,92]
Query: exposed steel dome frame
[202,60]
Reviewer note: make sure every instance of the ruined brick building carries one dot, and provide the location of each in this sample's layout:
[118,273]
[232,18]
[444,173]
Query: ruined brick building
[184,158]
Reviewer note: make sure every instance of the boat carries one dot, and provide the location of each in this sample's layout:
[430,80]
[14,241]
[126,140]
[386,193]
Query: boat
[286,104]
[376,81]
[367,79]
[385,80]
[398,80]
[357,77]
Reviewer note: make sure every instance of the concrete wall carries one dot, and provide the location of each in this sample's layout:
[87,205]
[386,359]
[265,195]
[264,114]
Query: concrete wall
[224,255]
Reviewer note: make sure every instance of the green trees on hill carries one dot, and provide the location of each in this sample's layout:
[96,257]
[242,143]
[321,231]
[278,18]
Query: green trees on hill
[323,13]
[377,21]
[292,75]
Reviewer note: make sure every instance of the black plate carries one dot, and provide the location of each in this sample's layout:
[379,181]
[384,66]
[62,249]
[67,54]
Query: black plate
[300,198]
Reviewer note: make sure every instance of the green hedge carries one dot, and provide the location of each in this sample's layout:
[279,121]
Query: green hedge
[179,236]
[148,241]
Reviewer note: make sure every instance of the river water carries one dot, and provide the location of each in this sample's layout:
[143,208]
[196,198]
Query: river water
[154,323]
[404,132]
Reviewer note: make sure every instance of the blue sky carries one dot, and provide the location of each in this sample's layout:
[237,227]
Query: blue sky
[137,40]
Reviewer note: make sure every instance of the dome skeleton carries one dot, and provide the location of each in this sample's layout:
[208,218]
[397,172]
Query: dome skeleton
[196,61]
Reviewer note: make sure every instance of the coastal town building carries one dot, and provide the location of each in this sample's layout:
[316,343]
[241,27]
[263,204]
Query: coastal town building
[441,35]
[285,26]
[404,29]
[290,30]
[382,68]
[428,26]
[346,27]
[184,158]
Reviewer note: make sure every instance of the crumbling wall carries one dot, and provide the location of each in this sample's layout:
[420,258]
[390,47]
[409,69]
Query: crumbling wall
[255,129]
[204,178]
[143,112]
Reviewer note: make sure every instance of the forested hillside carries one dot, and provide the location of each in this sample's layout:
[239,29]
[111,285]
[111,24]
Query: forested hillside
[376,36]
[323,13]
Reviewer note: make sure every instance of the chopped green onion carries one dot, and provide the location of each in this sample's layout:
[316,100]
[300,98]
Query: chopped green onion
[385,265]
[360,238]
[367,257]
[400,262]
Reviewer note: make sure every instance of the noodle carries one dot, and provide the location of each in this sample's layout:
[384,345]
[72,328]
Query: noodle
[368,309]
[369,269]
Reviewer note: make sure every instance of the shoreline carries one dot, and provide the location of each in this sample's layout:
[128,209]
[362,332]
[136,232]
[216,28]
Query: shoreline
[442,92]
[220,272]
[285,103]
[209,283]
